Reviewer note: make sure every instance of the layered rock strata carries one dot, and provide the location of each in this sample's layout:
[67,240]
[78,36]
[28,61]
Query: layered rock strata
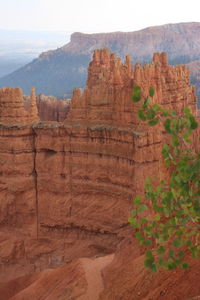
[12,110]
[109,85]
[57,72]
[67,188]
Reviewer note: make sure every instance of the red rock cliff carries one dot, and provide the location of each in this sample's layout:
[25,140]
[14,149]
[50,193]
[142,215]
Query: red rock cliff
[109,85]
[67,189]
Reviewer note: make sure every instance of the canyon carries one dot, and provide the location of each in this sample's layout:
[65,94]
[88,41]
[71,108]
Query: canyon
[66,188]
[57,72]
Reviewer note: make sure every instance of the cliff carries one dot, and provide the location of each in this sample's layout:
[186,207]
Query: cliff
[194,68]
[67,188]
[109,85]
[69,63]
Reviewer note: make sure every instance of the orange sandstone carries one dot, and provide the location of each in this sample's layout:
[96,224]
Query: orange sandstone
[67,188]
[12,109]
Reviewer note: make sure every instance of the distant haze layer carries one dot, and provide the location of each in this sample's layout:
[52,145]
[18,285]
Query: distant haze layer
[58,71]
[19,47]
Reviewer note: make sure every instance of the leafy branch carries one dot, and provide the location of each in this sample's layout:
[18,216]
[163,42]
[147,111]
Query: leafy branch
[167,218]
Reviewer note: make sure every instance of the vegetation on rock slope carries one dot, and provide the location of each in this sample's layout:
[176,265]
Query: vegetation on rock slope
[167,220]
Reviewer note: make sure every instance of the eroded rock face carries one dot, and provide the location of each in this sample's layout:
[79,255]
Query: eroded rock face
[122,276]
[12,109]
[127,278]
[69,63]
[52,109]
[67,188]
[80,280]
[49,108]
[194,68]
[109,85]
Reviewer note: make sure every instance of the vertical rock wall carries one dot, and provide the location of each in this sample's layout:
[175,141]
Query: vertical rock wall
[67,188]
[109,85]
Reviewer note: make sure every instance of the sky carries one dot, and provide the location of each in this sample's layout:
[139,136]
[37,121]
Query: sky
[95,16]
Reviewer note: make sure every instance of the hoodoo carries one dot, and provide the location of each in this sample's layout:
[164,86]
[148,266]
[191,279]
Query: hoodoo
[12,109]
[66,189]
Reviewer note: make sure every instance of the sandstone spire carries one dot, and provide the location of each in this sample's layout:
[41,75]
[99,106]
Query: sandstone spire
[110,82]
[12,109]
[33,111]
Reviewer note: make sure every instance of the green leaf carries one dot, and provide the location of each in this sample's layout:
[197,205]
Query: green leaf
[134,223]
[179,232]
[141,115]
[193,123]
[142,208]
[137,200]
[151,92]
[176,243]
[133,213]
[151,114]
[139,236]
[149,254]
[146,103]
[175,141]
[165,112]
[165,151]
[185,265]
[187,111]
[136,95]
[161,250]
[173,113]
[156,107]
[171,253]
[171,265]
[157,217]
[161,261]
[189,243]
[167,125]
[153,268]
[148,243]
[181,254]
[153,122]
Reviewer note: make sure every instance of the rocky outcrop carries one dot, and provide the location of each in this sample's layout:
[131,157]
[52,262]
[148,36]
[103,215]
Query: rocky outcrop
[58,72]
[67,188]
[122,276]
[109,85]
[80,279]
[49,108]
[194,68]
[12,109]
[127,278]
[52,109]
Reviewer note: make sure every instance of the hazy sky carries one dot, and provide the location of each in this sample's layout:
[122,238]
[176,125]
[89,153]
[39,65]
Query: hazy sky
[95,16]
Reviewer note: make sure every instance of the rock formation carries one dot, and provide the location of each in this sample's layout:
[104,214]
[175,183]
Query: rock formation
[194,68]
[12,109]
[52,109]
[67,188]
[107,96]
[49,108]
[58,71]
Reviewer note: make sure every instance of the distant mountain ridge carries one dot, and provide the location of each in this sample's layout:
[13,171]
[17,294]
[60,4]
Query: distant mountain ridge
[19,47]
[57,72]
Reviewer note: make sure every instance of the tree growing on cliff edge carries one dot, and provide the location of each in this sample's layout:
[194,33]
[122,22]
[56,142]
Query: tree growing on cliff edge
[167,218]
